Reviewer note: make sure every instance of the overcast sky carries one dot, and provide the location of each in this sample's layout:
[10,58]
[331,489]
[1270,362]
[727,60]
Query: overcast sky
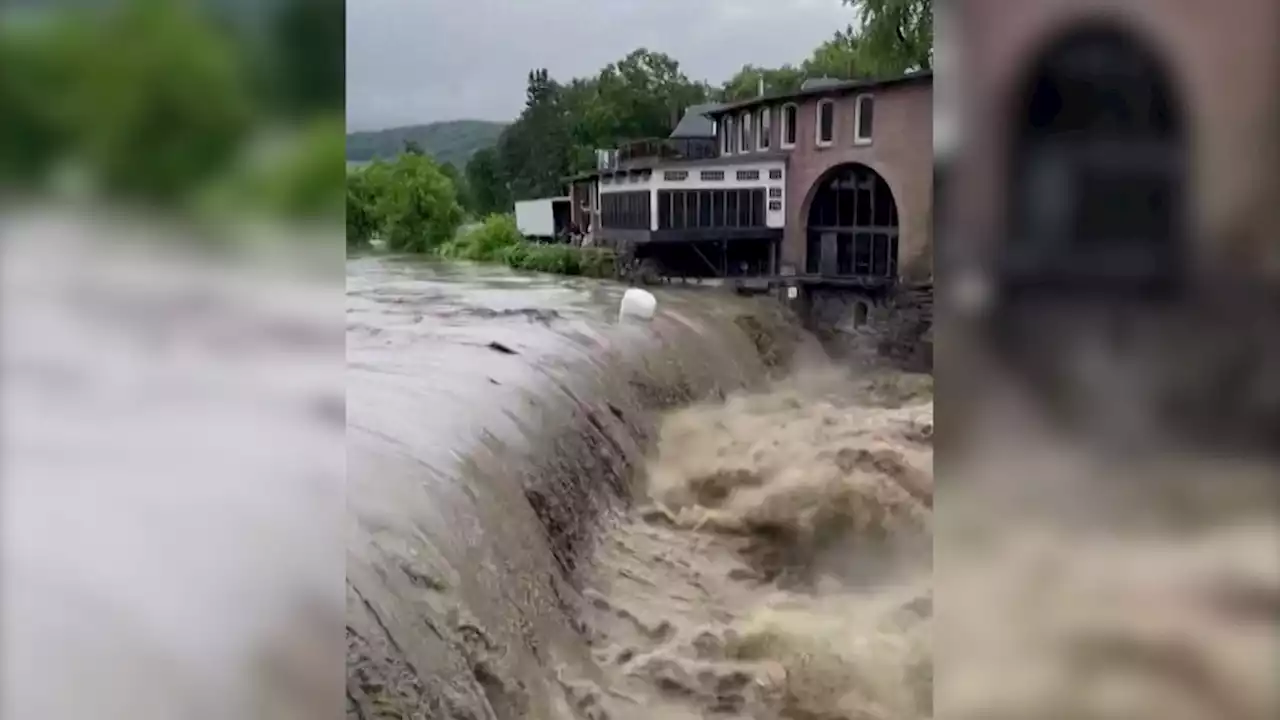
[418,61]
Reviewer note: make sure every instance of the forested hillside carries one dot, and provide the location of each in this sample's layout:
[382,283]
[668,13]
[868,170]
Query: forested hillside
[451,142]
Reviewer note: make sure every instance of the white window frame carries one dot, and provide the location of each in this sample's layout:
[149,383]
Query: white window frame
[745,132]
[817,123]
[858,138]
[786,127]
[727,144]
[764,125]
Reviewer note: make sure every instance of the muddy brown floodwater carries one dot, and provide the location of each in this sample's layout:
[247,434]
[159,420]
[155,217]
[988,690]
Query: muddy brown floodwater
[554,516]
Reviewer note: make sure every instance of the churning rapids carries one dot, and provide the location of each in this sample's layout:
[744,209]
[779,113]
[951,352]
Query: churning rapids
[556,516]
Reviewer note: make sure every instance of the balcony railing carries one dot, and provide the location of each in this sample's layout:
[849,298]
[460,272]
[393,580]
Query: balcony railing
[659,149]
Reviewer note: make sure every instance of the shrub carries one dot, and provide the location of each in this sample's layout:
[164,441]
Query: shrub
[306,180]
[486,242]
[599,262]
[417,206]
[362,219]
[562,260]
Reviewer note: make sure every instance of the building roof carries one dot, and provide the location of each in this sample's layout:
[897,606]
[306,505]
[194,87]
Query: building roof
[695,122]
[825,86]
[819,83]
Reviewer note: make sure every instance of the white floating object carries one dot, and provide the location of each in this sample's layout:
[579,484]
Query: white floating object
[637,304]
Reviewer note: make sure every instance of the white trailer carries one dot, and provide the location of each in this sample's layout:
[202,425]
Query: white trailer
[542,219]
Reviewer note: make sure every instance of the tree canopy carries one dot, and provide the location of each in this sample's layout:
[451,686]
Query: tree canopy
[895,36]
[643,95]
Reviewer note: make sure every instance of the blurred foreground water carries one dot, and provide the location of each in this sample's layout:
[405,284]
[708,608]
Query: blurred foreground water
[172,474]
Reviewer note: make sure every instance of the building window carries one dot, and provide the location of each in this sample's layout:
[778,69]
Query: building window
[745,132]
[775,205]
[775,192]
[775,174]
[675,175]
[826,130]
[864,115]
[726,139]
[748,174]
[685,209]
[859,314]
[606,179]
[711,175]
[764,127]
[789,115]
[625,210]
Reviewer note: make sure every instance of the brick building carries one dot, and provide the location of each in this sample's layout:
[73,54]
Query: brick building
[1158,120]
[828,185]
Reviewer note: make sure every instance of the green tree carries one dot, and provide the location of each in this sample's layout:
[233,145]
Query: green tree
[417,206]
[459,186]
[840,57]
[535,150]
[159,104]
[487,184]
[309,77]
[645,94]
[895,36]
[37,66]
[745,83]
[411,147]
[362,202]
[306,181]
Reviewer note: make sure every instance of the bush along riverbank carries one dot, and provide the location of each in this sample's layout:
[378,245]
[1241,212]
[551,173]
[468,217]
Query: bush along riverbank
[411,205]
[497,240]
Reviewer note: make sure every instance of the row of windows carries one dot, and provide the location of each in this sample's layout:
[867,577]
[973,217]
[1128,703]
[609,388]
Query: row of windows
[873,254]
[625,210]
[738,208]
[623,178]
[854,201]
[736,134]
[715,175]
[863,120]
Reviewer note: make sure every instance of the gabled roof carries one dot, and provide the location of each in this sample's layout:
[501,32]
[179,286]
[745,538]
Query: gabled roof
[825,86]
[696,123]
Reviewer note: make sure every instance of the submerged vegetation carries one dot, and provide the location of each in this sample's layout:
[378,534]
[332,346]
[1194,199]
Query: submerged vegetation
[411,206]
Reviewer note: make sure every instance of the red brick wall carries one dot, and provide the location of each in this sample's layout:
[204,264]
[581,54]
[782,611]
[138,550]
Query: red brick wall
[901,151]
[1224,58]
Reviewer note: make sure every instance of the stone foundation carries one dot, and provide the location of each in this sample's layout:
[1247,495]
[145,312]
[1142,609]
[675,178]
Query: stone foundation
[896,324]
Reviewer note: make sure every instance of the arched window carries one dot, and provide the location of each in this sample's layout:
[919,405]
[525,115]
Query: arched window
[860,313]
[789,114]
[863,117]
[728,137]
[764,127]
[826,122]
[745,129]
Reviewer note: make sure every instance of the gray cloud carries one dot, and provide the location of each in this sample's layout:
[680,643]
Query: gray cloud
[416,61]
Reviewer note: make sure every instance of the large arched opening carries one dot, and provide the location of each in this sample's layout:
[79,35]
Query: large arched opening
[1097,183]
[852,225]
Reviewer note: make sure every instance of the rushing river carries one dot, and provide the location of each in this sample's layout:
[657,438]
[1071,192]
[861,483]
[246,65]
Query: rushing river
[557,516]
[554,516]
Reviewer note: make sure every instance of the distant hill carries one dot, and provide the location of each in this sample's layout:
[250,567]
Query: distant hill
[453,141]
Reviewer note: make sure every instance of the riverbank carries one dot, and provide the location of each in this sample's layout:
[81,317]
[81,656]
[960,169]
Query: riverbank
[497,241]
